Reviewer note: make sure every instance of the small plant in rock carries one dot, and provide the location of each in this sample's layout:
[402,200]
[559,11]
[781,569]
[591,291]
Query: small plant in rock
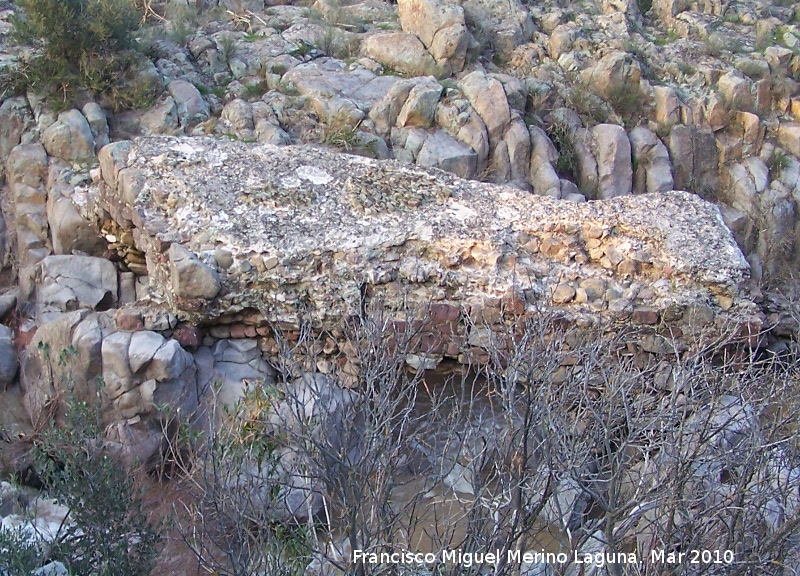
[20,555]
[627,101]
[182,23]
[255,90]
[686,69]
[78,46]
[227,48]
[777,163]
[567,164]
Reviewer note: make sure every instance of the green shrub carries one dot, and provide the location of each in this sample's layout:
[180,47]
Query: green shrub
[627,101]
[567,164]
[777,163]
[108,533]
[79,46]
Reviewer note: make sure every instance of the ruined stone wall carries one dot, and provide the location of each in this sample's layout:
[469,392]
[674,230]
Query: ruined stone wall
[238,237]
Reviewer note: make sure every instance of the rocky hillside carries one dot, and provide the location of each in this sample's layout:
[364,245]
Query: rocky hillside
[627,168]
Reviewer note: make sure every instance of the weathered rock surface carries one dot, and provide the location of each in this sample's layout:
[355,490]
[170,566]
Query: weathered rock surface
[191,278]
[295,221]
[70,283]
[402,52]
[441,28]
[140,371]
[70,137]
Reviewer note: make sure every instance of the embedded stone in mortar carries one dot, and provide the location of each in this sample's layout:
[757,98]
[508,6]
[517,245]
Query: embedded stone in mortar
[190,277]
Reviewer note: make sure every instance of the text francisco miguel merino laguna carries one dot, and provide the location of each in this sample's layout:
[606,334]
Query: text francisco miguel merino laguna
[468,559]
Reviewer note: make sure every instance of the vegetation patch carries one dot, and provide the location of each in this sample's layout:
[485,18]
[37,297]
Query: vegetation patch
[81,48]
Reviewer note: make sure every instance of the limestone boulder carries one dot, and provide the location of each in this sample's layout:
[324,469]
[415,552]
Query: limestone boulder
[544,178]
[488,98]
[237,118]
[75,337]
[70,283]
[440,27]
[419,108]
[789,137]
[418,235]
[69,230]
[653,171]
[742,226]
[191,278]
[506,25]
[668,108]
[442,151]
[562,38]
[403,52]
[189,103]
[143,370]
[741,192]
[458,118]
[586,167]
[330,79]
[612,71]
[161,118]
[27,164]
[695,159]
[269,133]
[517,141]
[384,113]
[16,118]
[735,91]
[70,137]
[238,367]
[98,124]
[775,244]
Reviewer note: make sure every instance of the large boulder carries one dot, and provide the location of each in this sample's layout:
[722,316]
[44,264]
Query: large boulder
[8,358]
[70,283]
[420,106]
[440,27]
[487,96]
[134,379]
[69,230]
[402,52]
[543,175]
[238,367]
[789,137]
[16,119]
[191,107]
[653,171]
[70,137]
[613,72]
[613,153]
[441,150]
[76,338]
[505,25]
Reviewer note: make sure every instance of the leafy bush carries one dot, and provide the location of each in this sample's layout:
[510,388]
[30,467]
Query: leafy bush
[110,534]
[78,46]
[107,532]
